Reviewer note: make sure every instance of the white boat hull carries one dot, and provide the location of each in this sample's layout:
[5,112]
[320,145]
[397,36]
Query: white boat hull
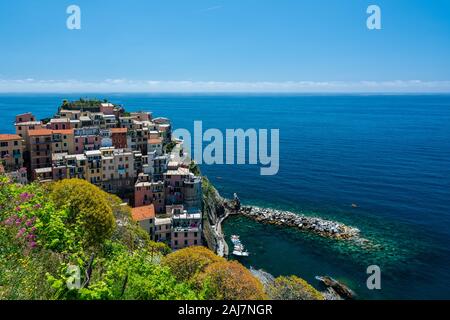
[240,254]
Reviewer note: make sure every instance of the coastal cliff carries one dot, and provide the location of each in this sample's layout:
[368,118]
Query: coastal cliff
[214,212]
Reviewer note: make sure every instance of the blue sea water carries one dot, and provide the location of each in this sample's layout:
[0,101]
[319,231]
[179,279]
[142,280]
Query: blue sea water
[389,154]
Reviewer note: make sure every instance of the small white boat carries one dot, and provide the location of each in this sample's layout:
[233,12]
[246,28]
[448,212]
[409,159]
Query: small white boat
[240,253]
[239,249]
[235,239]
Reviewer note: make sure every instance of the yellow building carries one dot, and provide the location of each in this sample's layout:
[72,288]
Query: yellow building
[63,141]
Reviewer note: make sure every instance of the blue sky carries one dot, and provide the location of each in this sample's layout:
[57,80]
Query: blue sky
[225,45]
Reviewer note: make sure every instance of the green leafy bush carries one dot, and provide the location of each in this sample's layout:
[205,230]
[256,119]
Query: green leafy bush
[229,280]
[47,230]
[292,288]
[186,263]
[87,208]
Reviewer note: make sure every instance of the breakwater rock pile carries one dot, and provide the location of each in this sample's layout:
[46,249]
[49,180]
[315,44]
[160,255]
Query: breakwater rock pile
[325,228]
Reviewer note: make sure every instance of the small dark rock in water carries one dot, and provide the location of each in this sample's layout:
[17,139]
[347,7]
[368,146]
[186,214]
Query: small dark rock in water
[341,289]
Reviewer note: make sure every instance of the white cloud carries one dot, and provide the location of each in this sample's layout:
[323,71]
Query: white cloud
[126,85]
[212,8]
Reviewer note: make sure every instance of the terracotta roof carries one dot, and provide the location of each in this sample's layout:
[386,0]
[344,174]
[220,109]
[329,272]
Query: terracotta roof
[155,140]
[143,213]
[40,132]
[10,137]
[119,130]
[65,131]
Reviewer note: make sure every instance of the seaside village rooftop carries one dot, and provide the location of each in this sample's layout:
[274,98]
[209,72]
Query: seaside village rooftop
[130,154]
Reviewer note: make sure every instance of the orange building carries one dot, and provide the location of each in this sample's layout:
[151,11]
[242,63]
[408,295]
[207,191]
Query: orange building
[40,148]
[11,151]
[145,216]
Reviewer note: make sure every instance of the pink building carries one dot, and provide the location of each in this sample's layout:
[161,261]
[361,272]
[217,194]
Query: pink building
[25,117]
[87,139]
[174,180]
[59,124]
[107,108]
[186,229]
[59,173]
[148,192]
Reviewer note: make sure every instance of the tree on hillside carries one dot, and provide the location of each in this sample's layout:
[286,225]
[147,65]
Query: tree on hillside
[229,280]
[187,263]
[292,288]
[87,209]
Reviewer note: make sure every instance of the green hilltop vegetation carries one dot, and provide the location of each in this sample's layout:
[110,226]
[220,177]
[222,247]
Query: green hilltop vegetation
[92,105]
[49,230]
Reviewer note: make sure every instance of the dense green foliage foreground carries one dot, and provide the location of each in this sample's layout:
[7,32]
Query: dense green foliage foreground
[48,231]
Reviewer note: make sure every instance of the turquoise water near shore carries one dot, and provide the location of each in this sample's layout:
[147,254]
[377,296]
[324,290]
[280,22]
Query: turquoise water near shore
[389,154]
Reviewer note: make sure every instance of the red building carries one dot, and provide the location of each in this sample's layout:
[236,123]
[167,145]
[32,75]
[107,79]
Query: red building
[119,137]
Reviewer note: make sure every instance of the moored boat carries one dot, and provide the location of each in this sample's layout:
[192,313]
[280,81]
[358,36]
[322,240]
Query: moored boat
[241,253]
[239,249]
[235,239]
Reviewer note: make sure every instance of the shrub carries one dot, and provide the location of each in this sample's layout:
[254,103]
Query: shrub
[136,276]
[229,280]
[186,263]
[88,209]
[292,288]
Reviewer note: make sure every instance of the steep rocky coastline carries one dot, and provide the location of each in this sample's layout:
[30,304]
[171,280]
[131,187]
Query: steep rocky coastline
[214,213]
[217,209]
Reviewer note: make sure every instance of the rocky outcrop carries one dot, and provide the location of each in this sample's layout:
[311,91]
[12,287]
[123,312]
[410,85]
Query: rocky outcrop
[214,211]
[264,277]
[325,228]
[336,290]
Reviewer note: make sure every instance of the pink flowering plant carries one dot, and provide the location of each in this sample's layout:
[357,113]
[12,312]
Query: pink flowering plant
[47,229]
[31,219]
